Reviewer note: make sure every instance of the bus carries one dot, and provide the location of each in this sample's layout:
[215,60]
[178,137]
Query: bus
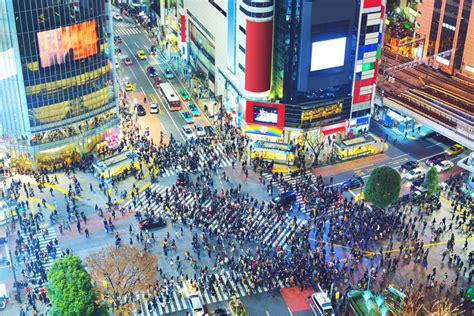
[170,96]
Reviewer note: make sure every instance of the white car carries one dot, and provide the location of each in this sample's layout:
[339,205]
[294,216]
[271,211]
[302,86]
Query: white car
[117,17]
[199,130]
[117,65]
[188,132]
[444,165]
[413,174]
[195,306]
[153,108]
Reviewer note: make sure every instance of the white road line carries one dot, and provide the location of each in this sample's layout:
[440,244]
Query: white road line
[178,129]
[434,145]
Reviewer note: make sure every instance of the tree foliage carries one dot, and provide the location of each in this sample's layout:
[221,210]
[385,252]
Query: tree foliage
[431,182]
[70,289]
[383,186]
[122,272]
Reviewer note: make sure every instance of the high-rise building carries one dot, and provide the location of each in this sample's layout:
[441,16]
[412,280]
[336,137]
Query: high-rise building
[57,95]
[445,26]
[286,68]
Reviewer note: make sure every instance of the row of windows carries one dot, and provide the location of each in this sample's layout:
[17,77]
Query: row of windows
[257,4]
[262,15]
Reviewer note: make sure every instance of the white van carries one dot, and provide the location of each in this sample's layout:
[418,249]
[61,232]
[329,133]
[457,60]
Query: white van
[321,304]
[153,108]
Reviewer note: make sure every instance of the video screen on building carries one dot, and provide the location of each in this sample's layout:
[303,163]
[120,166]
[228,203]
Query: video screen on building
[328,54]
[265,114]
[67,43]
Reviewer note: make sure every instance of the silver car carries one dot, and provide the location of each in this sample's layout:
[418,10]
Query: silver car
[188,132]
[199,130]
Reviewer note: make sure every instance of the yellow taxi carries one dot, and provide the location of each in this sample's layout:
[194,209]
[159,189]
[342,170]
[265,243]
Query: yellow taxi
[455,149]
[141,55]
[129,87]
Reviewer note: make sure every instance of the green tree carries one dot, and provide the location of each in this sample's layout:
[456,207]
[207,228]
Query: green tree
[383,186]
[70,289]
[431,182]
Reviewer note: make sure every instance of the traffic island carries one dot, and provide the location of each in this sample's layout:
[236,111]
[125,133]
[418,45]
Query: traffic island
[237,308]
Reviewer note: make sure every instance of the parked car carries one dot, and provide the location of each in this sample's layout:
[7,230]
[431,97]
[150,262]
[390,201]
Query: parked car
[210,131]
[184,94]
[169,74]
[118,17]
[353,183]
[183,178]
[141,55]
[128,61]
[409,165]
[444,165]
[195,305]
[188,133]
[140,110]
[321,304]
[187,117]
[200,132]
[413,174]
[150,223]
[455,149]
[193,109]
[435,159]
[284,199]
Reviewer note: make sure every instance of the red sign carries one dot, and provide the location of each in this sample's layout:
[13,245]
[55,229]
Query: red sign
[263,113]
[183,29]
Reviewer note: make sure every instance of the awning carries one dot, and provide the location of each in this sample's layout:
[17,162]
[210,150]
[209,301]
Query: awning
[334,130]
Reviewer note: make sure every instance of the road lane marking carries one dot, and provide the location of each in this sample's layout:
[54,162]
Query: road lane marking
[156,91]
[434,145]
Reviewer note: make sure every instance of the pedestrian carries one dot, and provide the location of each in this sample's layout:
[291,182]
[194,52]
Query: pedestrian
[78,225]
[87,232]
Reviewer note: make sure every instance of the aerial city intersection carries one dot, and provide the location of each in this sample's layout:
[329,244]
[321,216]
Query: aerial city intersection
[235,157]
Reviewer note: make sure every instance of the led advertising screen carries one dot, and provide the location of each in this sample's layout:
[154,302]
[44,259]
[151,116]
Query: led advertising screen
[67,43]
[265,114]
[328,54]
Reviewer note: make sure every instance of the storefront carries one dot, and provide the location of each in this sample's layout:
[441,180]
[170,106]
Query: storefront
[336,131]
[359,125]
[356,147]
[264,121]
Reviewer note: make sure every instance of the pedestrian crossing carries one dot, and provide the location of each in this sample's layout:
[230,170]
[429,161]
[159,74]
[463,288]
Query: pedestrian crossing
[225,290]
[292,181]
[128,31]
[44,240]
[218,150]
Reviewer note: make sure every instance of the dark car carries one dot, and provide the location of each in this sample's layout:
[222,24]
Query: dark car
[409,165]
[140,110]
[210,131]
[418,182]
[284,199]
[436,159]
[221,312]
[149,223]
[353,183]
[183,178]
[151,71]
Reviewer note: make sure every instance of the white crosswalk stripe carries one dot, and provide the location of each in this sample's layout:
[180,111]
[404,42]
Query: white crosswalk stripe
[178,302]
[203,159]
[128,31]
[43,242]
[292,181]
[274,232]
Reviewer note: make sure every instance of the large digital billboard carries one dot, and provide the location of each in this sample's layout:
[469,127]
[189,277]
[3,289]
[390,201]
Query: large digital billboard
[265,114]
[67,43]
[328,54]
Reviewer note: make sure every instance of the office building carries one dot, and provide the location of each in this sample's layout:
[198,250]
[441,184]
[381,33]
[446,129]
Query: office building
[57,95]
[445,26]
[288,68]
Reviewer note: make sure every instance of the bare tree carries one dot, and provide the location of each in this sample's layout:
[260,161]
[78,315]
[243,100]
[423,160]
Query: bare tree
[413,303]
[122,272]
[444,307]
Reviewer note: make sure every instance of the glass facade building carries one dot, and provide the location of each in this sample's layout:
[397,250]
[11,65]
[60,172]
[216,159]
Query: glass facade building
[57,95]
